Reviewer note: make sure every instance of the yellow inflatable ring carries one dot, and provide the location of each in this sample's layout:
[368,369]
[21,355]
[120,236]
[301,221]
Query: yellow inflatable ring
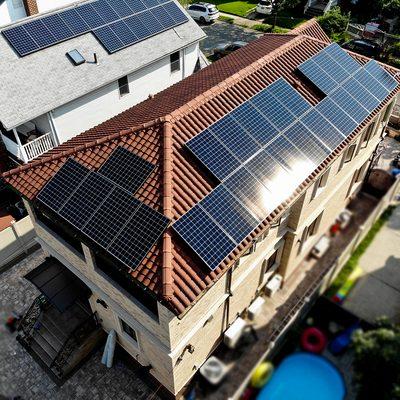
[262,375]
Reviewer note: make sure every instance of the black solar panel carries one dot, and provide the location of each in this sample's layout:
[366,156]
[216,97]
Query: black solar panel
[110,217]
[213,154]
[208,240]
[138,236]
[115,23]
[365,98]
[85,200]
[342,58]
[127,169]
[371,84]
[57,191]
[330,66]
[318,76]
[229,213]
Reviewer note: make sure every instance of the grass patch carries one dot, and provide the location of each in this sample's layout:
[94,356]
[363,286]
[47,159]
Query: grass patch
[360,250]
[285,22]
[262,28]
[228,20]
[241,8]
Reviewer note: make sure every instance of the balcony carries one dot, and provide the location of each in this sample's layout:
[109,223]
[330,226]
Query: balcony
[27,142]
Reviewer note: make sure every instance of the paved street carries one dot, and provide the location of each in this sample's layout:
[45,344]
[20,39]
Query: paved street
[378,292]
[21,376]
[222,32]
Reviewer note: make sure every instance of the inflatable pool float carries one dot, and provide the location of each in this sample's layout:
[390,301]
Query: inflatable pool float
[313,340]
[262,375]
[345,289]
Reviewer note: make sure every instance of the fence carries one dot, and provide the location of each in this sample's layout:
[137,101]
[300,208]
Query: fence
[386,38]
[15,240]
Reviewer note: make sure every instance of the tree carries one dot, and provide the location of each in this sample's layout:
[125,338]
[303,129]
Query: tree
[377,362]
[389,8]
[334,21]
[279,5]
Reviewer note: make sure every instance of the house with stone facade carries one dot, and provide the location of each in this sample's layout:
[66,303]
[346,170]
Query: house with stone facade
[166,222]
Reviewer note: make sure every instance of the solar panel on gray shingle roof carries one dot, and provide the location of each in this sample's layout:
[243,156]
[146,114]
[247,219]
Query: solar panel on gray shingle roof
[140,21]
[106,213]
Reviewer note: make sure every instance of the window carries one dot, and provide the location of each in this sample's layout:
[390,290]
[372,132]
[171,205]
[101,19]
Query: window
[366,136]
[320,184]
[175,61]
[310,231]
[348,155]
[359,175]
[123,85]
[129,330]
[271,260]
[75,57]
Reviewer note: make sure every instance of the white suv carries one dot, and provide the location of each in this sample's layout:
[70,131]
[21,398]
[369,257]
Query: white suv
[264,7]
[203,12]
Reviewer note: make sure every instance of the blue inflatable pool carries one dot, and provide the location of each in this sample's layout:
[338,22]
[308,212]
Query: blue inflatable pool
[304,376]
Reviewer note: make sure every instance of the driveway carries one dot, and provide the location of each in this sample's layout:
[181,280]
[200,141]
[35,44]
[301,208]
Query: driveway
[222,32]
[21,376]
[377,293]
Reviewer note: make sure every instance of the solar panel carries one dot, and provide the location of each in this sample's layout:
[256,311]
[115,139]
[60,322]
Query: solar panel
[289,97]
[331,67]
[333,113]
[250,192]
[235,138]
[208,240]
[317,76]
[346,102]
[289,156]
[371,84]
[126,169]
[342,58]
[115,23]
[59,188]
[305,141]
[229,214]
[138,236]
[365,98]
[382,76]
[267,104]
[110,217]
[213,154]
[255,123]
[85,200]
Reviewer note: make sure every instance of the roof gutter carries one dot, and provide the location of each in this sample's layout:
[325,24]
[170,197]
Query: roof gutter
[167,289]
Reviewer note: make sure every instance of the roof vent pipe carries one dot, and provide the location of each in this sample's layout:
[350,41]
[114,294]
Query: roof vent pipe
[96,61]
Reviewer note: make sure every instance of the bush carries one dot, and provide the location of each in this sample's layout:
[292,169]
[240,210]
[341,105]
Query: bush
[395,49]
[228,20]
[262,28]
[334,22]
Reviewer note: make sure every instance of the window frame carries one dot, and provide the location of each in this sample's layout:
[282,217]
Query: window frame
[351,149]
[175,64]
[123,86]
[320,184]
[127,330]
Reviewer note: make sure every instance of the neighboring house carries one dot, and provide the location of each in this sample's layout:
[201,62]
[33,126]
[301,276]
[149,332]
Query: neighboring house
[249,164]
[13,10]
[123,52]
[319,7]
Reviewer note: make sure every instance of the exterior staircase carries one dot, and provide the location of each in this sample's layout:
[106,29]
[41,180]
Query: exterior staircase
[59,341]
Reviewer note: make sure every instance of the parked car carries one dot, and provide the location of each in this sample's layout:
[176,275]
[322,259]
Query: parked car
[264,7]
[363,46]
[223,49]
[203,12]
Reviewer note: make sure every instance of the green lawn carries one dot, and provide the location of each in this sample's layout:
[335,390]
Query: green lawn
[241,8]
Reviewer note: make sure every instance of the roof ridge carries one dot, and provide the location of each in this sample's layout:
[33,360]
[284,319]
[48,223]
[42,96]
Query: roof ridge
[84,146]
[204,97]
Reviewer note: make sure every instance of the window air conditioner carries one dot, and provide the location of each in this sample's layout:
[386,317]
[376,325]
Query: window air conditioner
[234,332]
[321,247]
[273,285]
[255,308]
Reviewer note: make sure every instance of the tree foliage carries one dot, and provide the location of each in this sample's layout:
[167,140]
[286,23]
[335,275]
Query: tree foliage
[334,21]
[377,362]
[389,8]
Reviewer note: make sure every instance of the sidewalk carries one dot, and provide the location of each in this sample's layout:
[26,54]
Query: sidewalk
[241,20]
[377,293]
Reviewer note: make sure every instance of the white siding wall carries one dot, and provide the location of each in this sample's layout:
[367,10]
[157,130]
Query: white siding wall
[11,10]
[46,5]
[104,103]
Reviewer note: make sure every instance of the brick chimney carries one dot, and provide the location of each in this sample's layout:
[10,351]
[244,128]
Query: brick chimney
[31,7]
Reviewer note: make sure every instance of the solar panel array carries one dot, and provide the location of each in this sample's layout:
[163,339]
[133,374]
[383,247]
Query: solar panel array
[126,169]
[115,23]
[104,212]
[262,150]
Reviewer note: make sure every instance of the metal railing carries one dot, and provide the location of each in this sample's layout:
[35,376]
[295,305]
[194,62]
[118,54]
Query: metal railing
[38,146]
[31,317]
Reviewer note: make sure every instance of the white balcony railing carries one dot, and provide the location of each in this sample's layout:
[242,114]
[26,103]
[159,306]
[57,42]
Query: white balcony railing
[29,151]
[38,146]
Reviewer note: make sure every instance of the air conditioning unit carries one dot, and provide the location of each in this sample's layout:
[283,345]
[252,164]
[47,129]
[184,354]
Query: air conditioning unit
[234,332]
[344,218]
[321,247]
[214,370]
[255,308]
[273,285]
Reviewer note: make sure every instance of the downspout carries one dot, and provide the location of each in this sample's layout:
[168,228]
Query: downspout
[167,290]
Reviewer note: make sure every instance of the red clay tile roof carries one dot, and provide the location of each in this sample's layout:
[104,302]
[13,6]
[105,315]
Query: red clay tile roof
[190,106]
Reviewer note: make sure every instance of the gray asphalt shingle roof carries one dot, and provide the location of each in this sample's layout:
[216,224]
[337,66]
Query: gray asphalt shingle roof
[42,81]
